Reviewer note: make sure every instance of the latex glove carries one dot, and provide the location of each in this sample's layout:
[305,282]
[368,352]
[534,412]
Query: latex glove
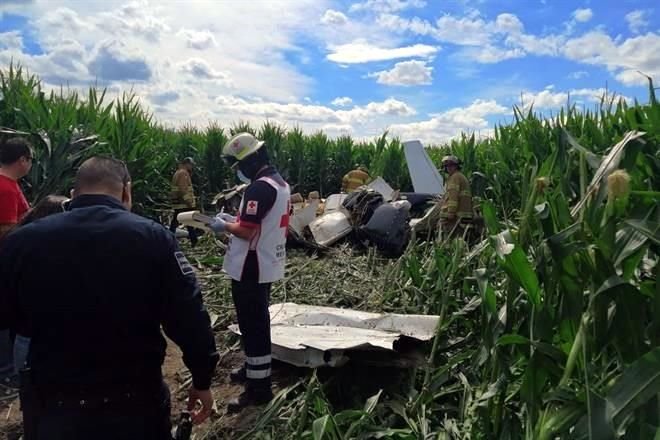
[226,217]
[218,225]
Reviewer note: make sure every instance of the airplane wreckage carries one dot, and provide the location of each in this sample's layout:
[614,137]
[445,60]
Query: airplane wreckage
[374,215]
[377,215]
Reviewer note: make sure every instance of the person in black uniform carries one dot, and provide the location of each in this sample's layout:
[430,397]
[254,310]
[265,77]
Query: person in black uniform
[92,287]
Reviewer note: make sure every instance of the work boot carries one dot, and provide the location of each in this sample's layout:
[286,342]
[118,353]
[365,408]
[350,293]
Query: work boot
[249,397]
[238,375]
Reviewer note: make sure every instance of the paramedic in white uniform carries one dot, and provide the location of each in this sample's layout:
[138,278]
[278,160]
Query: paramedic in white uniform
[255,259]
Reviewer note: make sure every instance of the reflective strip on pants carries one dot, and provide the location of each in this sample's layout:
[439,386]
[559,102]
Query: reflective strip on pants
[259,360]
[257,374]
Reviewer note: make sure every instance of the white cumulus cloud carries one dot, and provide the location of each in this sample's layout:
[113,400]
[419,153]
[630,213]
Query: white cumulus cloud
[447,125]
[199,40]
[583,15]
[387,5]
[548,99]
[201,69]
[624,58]
[292,113]
[11,40]
[637,21]
[405,73]
[332,17]
[342,101]
[359,51]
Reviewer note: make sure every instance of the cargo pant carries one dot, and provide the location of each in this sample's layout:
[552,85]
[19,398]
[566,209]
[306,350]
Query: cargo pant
[251,300]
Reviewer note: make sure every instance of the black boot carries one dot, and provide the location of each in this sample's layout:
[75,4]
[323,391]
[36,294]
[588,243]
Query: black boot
[249,397]
[238,375]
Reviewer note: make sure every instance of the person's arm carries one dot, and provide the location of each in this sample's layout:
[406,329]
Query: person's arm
[187,323]
[257,201]
[244,232]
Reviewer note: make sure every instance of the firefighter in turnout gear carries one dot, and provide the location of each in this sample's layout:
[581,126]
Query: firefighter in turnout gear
[255,259]
[456,207]
[355,179]
[183,195]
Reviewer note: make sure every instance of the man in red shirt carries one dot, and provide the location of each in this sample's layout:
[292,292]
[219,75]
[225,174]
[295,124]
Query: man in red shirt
[15,163]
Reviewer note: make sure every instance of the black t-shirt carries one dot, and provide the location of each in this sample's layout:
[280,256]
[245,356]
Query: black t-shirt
[258,199]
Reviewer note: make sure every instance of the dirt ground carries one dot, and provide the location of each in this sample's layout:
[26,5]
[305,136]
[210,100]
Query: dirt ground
[178,380]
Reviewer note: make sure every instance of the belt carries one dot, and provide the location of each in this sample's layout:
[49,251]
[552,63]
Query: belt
[127,397]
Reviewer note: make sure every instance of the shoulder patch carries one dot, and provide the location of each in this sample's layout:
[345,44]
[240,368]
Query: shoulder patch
[251,207]
[184,265]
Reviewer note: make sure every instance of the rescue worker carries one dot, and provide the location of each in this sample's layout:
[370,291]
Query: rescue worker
[456,205]
[15,163]
[255,259]
[92,287]
[355,179]
[183,196]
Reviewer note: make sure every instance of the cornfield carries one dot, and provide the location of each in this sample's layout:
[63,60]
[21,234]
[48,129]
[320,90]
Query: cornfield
[548,329]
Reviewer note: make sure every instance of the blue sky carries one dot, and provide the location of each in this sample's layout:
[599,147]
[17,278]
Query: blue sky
[419,68]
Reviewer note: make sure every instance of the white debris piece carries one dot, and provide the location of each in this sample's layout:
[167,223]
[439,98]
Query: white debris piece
[381,186]
[304,216]
[331,227]
[334,203]
[311,336]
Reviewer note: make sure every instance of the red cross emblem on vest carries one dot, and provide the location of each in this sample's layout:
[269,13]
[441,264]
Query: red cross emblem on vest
[252,207]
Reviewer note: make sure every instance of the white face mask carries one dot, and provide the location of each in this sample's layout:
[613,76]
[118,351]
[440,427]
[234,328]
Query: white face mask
[242,177]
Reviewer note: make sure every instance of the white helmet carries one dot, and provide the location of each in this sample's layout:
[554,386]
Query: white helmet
[241,146]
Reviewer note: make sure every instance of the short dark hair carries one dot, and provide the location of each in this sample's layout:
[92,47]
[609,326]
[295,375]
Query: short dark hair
[102,172]
[13,149]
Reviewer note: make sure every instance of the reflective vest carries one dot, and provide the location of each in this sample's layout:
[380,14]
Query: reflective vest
[354,179]
[269,243]
[458,197]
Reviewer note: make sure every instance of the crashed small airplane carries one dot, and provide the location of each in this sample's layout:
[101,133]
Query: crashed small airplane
[375,214]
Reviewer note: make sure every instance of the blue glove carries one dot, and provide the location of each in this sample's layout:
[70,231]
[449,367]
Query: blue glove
[226,217]
[218,225]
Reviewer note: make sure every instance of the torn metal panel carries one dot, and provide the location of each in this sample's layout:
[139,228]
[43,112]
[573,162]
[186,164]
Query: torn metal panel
[304,216]
[331,227]
[381,186]
[312,336]
[425,176]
